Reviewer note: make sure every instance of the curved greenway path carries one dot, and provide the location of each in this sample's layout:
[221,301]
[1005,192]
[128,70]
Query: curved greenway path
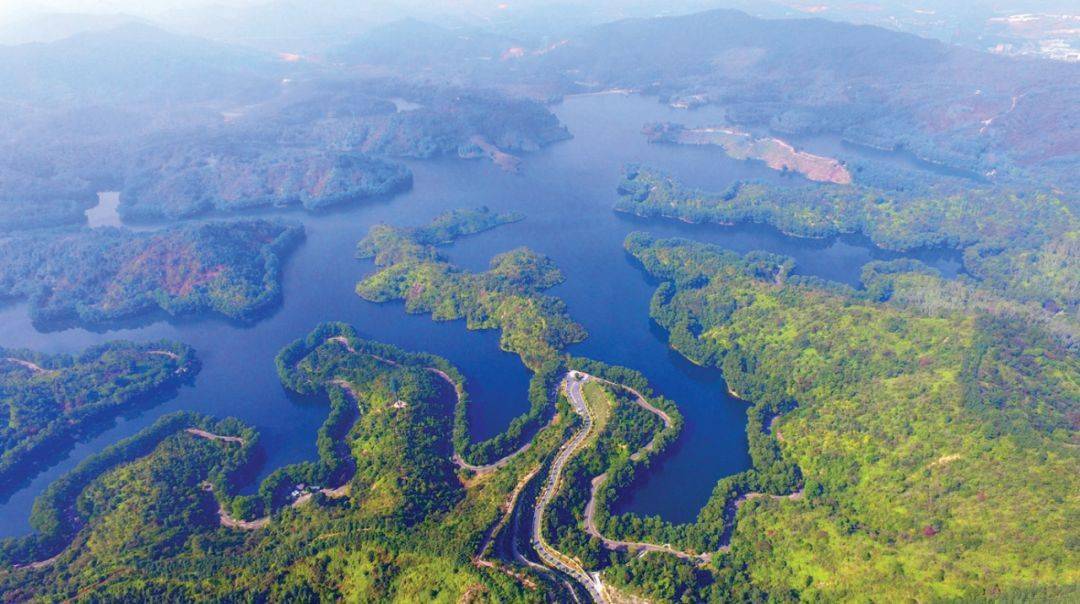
[459,461]
[551,556]
[639,547]
[590,507]
[226,519]
[572,385]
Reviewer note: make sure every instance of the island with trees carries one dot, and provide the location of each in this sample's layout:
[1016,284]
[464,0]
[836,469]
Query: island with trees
[178,180]
[94,276]
[508,297]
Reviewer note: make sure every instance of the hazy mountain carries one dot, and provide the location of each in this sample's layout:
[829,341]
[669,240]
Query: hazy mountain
[870,84]
[57,26]
[410,42]
[133,62]
[967,109]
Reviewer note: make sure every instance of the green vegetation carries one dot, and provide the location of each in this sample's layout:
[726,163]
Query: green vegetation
[506,297]
[141,518]
[622,428]
[401,442]
[50,401]
[102,275]
[911,284]
[935,450]
[1025,246]
[389,245]
[81,498]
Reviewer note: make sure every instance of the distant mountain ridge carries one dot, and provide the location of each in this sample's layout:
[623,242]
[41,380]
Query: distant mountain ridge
[51,27]
[969,110]
[131,62]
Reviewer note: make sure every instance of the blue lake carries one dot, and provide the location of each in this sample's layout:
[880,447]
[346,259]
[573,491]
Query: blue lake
[566,193]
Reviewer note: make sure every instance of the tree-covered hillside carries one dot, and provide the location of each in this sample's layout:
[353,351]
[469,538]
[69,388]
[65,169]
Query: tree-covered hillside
[937,451]
[155,516]
[100,275]
[178,180]
[49,401]
[507,297]
[1020,244]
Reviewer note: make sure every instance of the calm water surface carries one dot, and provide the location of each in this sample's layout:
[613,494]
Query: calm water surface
[566,192]
[105,212]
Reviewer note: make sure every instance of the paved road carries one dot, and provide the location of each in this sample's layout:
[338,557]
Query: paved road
[458,460]
[549,555]
[590,507]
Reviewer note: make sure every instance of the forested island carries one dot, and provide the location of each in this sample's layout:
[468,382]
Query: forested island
[50,401]
[100,275]
[506,297]
[229,175]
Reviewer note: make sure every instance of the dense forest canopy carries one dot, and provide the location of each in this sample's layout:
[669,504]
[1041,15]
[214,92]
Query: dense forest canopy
[1019,243]
[50,401]
[398,523]
[508,296]
[886,403]
[100,275]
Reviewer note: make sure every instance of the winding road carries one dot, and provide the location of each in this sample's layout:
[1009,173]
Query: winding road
[572,385]
[227,520]
[212,436]
[590,508]
[30,366]
[458,460]
[551,556]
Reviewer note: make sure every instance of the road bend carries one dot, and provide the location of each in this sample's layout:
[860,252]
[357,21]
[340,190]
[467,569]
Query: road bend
[551,556]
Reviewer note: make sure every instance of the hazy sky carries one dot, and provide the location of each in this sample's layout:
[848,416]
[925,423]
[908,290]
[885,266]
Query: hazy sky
[147,8]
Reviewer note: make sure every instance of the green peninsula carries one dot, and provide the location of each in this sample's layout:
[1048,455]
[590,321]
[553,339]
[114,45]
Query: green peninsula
[186,179]
[1024,246]
[156,516]
[49,401]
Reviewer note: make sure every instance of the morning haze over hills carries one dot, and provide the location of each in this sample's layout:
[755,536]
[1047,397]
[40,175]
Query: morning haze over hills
[497,302]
